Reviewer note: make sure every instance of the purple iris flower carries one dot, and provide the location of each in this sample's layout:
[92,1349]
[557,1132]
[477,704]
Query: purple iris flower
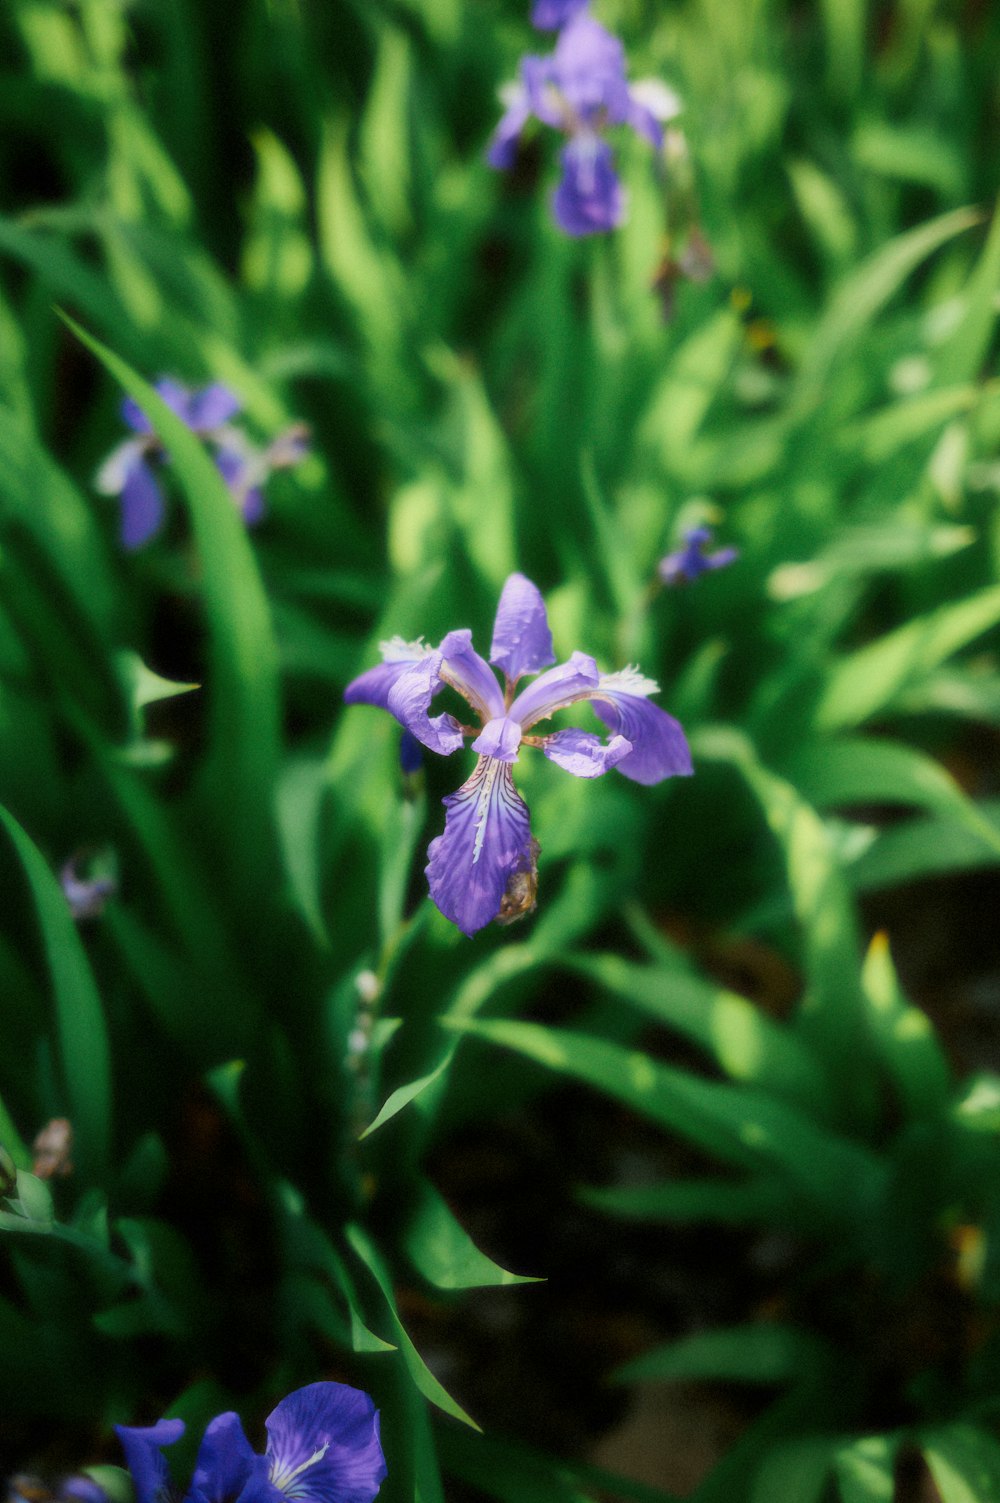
[484,866]
[322,1447]
[549,15]
[86,896]
[691,560]
[246,468]
[580,89]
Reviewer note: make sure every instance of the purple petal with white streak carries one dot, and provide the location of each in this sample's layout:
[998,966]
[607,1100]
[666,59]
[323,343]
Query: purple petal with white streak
[659,746]
[323,1445]
[142,506]
[522,641]
[487,838]
[465,670]
[499,738]
[145,1459]
[409,699]
[555,689]
[584,754]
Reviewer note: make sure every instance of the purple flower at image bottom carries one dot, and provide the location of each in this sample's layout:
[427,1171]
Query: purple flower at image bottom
[323,1446]
[484,865]
[580,89]
[690,561]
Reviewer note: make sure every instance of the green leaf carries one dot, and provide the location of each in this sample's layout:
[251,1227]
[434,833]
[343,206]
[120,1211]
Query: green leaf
[403,1095]
[923,848]
[239,770]
[963,353]
[722,1201]
[865,1470]
[737,1354]
[905,1037]
[421,1374]
[869,681]
[965,1464]
[738,1125]
[442,1250]
[81,1031]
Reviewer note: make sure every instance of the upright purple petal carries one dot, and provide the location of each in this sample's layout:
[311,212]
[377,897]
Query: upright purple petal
[145,1459]
[177,397]
[142,506]
[323,1445]
[372,687]
[659,746]
[134,417]
[555,689]
[589,199]
[212,406]
[499,738]
[583,754]
[588,67]
[486,840]
[522,641]
[409,699]
[549,15]
[465,670]
[224,1463]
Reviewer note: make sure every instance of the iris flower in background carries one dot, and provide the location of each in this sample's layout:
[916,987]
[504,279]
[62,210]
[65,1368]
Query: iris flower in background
[87,895]
[690,561]
[130,469]
[579,90]
[484,866]
[322,1447]
[549,15]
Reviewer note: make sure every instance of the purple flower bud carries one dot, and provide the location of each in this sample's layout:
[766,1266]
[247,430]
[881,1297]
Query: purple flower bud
[689,562]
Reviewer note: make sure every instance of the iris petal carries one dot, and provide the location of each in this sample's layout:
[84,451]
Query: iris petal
[522,641]
[111,477]
[583,754]
[556,689]
[142,506]
[409,699]
[589,199]
[487,838]
[465,670]
[211,407]
[323,1445]
[499,738]
[549,15]
[224,1463]
[372,687]
[659,746]
[145,1459]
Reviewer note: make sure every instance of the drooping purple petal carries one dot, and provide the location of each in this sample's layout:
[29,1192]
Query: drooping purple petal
[224,1463]
[211,406]
[241,472]
[134,417]
[372,687]
[487,838]
[522,641]
[253,507]
[145,1459]
[549,15]
[651,103]
[499,738]
[589,199]
[465,670]
[555,689]
[659,746]
[142,506]
[642,120]
[411,754]
[588,67]
[502,148]
[409,699]
[584,754]
[323,1445]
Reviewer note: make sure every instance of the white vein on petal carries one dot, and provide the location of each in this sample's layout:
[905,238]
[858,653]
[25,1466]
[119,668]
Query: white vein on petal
[398,650]
[282,1479]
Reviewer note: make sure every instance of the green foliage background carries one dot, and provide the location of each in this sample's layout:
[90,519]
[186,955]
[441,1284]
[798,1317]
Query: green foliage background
[293,199]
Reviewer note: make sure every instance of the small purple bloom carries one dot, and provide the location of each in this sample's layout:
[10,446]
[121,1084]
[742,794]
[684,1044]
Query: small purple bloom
[130,469]
[484,865]
[549,15]
[323,1447]
[580,89]
[690,561]
[86,896]
[411,755]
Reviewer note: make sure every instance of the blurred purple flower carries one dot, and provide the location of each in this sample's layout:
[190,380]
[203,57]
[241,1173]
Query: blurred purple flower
[130,469]
[690,561]
[549,15]
[484,865]
[579,90]
[86,896]
[322,1447]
